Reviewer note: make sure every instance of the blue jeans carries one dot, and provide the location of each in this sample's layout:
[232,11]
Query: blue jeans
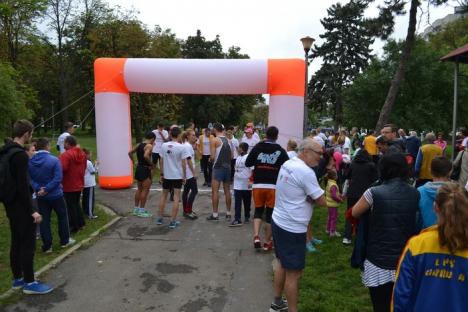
[239,197]
[45,209]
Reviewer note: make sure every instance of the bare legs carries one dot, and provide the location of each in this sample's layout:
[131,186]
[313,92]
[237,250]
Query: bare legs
[288,281]
[215,195]
[141,195]
[175,203]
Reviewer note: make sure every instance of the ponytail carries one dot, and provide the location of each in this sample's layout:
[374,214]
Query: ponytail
[452,204]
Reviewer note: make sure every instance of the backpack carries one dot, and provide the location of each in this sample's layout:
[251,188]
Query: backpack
[7,181]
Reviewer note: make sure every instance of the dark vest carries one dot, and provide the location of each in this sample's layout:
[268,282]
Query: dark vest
[392,222]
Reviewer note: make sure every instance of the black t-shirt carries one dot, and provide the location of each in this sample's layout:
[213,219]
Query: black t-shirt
[266,158]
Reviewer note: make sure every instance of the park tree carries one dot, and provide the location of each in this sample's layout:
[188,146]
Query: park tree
[13,101]
[425,93]
[345,52]
[17,24]
[399,73]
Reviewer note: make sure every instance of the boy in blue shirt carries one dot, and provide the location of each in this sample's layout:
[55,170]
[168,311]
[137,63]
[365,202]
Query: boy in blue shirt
[440,169]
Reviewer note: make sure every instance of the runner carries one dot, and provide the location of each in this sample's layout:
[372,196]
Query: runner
[266,158]
[173,174]
[204,150]
[221,156]
[190,187]
[161,136]
[143,174]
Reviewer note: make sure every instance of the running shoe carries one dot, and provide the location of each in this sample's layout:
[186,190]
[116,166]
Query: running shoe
[257,242]
[159,221]
[268,246]
[18,283]
[145,214]
[174,224]
[212,218]
[347,241]
[71,241]
[190,216]
[311,248]
[136,211]
[235,223]
[316,241]
[48,251]
[335,234]
[228,218]
[36,288]
[283,307]
[246,220]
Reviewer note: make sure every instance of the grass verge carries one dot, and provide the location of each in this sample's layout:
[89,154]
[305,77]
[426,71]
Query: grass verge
[41,259]
[329,283]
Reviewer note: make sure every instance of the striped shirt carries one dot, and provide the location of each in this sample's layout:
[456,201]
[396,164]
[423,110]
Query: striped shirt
[374,276]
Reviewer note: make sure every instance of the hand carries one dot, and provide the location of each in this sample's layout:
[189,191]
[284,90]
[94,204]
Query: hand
[42,192]
[37,217]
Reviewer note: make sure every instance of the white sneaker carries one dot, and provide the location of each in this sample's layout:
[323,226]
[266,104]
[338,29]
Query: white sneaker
[335,234]
[71,241]
[347,241]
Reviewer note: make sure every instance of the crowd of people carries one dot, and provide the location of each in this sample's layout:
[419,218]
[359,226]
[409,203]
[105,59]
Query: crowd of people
[38,183]
[406,202]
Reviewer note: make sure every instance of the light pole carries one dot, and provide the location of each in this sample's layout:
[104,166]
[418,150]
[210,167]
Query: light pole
[306,44]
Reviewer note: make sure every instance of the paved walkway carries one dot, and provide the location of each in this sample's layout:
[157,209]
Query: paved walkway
[139,266]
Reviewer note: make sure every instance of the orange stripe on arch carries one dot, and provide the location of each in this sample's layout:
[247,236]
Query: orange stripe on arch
[114,183]
[286,77]
[109,75]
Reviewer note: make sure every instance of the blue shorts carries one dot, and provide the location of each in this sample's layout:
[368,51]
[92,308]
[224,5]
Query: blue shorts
[222,174]
[290,248]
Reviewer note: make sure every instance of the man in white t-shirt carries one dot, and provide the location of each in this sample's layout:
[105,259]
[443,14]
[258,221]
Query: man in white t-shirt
[173,174]
[250,139]
[162,136]
[69,130]
[297,191]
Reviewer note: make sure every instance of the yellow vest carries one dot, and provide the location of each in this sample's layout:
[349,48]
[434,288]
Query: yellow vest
[330,201]
[429,152]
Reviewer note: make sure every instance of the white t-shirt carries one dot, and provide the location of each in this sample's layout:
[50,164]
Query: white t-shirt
[347,144]
[295,182]
[159,140]
[242,174]
[292,154]
[172,154]
[206,145]
[90,175]
[465,142]
[251,142]
[234,143]
[323,136]
[61,141]
[191,152]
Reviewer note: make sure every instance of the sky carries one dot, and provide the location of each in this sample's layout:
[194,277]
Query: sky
[261,28]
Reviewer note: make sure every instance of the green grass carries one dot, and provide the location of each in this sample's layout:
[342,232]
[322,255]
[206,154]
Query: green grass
[329,283]
[41,259]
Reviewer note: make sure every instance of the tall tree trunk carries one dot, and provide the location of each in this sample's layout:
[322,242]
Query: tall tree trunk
[400,73]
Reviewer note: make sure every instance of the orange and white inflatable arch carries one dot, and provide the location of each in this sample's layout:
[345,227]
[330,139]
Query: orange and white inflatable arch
[283,79]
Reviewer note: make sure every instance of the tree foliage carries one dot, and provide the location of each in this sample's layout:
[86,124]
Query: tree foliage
[425,98]
[345,52]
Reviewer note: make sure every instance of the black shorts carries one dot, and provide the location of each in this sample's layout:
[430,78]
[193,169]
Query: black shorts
[169,184]
[290,248]
[155,157]
[142,173]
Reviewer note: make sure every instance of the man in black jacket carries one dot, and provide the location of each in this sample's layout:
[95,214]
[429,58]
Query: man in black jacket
[21,214]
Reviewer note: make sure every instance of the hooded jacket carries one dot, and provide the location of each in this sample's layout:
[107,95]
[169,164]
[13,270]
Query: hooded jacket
[427,215]
[45,171]
[73,165]
[362,174]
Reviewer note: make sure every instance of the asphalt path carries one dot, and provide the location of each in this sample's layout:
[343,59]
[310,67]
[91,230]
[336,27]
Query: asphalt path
[140,266]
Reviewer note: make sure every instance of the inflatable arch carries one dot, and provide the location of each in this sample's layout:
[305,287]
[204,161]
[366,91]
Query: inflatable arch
[283,79]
